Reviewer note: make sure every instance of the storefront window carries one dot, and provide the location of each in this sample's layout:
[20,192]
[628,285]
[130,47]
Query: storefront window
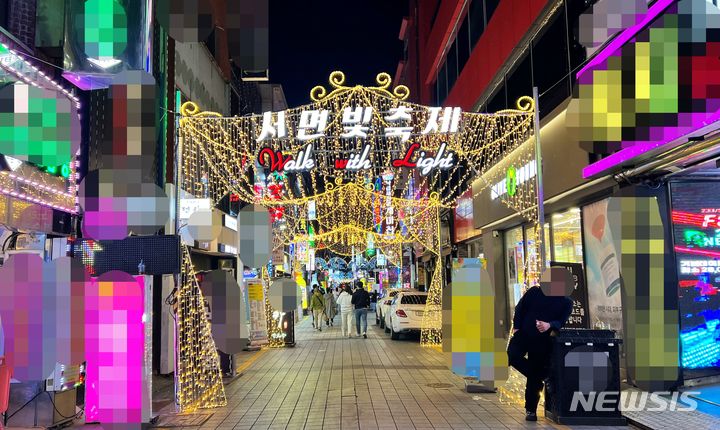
[514,264]
[530,234]
[567,236]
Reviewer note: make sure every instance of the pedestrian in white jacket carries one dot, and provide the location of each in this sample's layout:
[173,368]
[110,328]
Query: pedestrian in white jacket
[346,311]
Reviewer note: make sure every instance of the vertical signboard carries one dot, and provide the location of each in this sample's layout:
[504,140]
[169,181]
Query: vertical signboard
[578,317]
[258,323]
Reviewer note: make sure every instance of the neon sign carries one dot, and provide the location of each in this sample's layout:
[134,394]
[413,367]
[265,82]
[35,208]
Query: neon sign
[697,238]
[511,181]
[63,170]
[696,267]
[357,123]
[520,176]
[277,161]
[356,161]
[441,160]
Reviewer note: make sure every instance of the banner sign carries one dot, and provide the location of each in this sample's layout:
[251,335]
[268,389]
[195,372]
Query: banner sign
[578,317]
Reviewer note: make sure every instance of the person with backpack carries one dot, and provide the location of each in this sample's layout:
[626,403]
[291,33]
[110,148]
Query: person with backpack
[317,304]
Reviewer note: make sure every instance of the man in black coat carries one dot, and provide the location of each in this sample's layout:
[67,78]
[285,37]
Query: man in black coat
[538,315]
[361,301]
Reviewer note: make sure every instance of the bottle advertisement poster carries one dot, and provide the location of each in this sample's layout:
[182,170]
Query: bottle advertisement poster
[603,269]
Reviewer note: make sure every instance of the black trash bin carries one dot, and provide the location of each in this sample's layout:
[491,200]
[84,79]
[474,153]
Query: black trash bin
[584,383]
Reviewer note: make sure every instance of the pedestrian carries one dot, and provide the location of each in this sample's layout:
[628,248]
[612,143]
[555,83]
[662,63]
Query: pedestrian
[337,292]
[317,304]
[330,307]
[346,314]
[540,313]
[361,301]
[373,301]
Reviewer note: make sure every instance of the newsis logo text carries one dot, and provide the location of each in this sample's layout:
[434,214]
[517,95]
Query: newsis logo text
[633,401]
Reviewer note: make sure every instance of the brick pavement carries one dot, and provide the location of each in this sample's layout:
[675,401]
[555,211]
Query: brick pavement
[330,382]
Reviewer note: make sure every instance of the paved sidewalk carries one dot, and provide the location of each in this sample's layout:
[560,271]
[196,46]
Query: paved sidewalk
[330,382]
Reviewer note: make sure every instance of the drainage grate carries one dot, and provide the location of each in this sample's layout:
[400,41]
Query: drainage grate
[440,385]
[190,420]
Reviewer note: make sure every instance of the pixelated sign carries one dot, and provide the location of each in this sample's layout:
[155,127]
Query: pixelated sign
[103,37]
[255,234]
[283,294]
[468,318]
[122,197]
[185,20]
[225,299]
[652,84]
[38,125]
[42,310]
[115,339]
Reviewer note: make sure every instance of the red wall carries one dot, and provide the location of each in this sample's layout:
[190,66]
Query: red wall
[511,20]
[439,35]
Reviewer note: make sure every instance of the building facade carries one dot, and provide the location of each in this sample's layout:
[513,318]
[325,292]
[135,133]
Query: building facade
[92,90]
[628,159]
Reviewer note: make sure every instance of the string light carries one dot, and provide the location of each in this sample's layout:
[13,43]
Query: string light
[199,377]
[220,156]
[39,189]
[276,335]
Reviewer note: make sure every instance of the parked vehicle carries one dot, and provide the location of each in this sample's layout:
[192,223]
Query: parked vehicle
[406,313]
[384,303]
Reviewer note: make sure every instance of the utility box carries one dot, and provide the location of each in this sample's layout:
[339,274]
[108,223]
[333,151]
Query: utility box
[584,383]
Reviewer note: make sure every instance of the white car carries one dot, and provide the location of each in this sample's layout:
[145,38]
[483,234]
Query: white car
[383,304]
[406,313]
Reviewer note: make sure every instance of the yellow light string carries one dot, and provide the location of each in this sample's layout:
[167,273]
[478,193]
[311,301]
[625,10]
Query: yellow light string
[431,325]
[275,339]
[199,376]
[220,156]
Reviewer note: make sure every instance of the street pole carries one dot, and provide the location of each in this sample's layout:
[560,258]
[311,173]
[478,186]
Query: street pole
[539,182]
[178,277]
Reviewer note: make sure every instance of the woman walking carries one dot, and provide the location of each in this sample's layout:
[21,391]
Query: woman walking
[317,304]
[346,314]
[330,307]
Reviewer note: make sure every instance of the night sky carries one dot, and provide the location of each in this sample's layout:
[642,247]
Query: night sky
[311,38]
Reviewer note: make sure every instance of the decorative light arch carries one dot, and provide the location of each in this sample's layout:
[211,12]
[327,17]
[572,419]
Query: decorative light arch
[360,164]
